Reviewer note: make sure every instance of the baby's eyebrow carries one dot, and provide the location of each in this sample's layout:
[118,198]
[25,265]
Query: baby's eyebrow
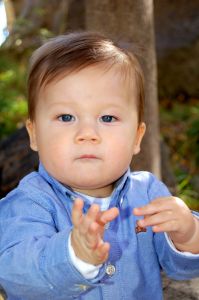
[113,105]
[61,104]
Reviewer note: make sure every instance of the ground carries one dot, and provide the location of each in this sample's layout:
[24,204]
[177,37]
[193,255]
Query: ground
[181,290]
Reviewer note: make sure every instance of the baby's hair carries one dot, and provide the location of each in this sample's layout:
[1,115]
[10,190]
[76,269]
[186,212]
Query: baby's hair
[73,52]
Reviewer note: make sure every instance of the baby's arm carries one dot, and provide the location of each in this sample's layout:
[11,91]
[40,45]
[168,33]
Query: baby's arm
[34,257]
[171,215]
[87,234]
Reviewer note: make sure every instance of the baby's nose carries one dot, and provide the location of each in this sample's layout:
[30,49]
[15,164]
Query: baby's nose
[88,133]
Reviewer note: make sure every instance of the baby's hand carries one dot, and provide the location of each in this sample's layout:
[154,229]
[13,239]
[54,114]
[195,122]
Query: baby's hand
[171,215]
[87,234]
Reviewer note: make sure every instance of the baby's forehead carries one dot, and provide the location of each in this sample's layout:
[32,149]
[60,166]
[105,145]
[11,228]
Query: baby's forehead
[109,84]
[125,74]
[69,53]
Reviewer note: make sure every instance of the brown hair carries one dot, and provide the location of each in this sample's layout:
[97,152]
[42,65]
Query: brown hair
[73,52]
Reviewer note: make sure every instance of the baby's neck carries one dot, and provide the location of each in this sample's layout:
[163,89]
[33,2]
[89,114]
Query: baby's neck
[102,192]
[102,202]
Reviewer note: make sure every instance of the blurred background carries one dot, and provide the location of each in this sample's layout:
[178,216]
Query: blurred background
[167,37]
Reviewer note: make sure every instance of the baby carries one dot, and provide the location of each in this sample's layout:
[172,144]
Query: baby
[68,231]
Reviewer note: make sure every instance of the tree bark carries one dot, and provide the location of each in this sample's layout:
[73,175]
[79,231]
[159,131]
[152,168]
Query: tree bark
[132,22]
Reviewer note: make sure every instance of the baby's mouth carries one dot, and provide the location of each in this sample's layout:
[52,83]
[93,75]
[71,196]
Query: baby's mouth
[88,156]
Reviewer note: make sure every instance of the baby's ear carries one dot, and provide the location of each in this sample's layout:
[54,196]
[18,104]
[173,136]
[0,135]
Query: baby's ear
[140,133]
[30,126]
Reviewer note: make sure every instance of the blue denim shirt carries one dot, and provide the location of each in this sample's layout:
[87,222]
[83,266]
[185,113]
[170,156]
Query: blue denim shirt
[35,223]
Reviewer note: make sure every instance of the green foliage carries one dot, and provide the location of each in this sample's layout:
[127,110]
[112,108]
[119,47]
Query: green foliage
[186,191]
[39,11]
[45,33]
[13,106]
[180,129]
[193,134]
[20,22]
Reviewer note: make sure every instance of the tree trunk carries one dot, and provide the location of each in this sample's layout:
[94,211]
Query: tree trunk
[132,22]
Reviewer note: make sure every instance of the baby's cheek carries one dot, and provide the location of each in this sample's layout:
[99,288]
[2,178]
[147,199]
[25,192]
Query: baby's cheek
[121,155]
[126,144]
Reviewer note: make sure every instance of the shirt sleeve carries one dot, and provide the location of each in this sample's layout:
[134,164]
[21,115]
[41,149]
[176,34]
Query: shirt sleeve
[87,270]
[34,257]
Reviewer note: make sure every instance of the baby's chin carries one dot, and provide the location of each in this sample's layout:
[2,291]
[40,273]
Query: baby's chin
[90,183]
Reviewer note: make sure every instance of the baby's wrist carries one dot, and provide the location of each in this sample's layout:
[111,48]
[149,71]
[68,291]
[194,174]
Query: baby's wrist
[74,244]
[192,244]
[87,270]
[81,251]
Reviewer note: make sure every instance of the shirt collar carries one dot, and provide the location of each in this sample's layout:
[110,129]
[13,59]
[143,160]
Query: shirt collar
[121,187]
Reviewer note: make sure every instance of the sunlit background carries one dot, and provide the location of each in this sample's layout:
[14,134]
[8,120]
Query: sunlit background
[3,24]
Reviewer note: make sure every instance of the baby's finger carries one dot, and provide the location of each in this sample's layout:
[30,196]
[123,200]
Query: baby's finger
[156,219]
[161,204]
[108,215]
[89,218]
[170,226]
[93,237]
[157,205]
[93,212]
[77,212]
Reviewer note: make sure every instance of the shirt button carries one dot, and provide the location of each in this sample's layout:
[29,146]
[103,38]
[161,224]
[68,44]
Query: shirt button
[110,270]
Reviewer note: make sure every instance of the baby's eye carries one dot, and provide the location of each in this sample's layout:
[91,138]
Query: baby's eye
[108,119]
[66,118]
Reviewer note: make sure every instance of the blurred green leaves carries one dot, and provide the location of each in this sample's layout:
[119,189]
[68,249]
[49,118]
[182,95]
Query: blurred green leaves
[186,191]
[180,129]
[13,106]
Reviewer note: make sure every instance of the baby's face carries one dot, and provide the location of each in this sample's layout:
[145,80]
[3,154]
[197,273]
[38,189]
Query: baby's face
[86,129]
